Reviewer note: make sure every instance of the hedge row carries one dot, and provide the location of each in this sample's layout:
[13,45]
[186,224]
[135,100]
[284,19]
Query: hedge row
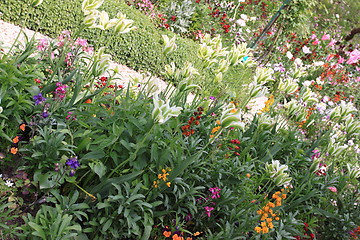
[140,49]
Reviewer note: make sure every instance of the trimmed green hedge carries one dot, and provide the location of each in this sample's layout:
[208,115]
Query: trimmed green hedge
[140,49]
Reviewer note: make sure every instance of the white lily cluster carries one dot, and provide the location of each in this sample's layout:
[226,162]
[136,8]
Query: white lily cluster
[100,19]
[342,111]
[278,174]
[101,62]
[162,111]
[353,171]
[170,44]
[231,117]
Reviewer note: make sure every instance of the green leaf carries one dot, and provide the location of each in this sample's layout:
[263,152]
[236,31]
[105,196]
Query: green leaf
[39,232]
[98,167]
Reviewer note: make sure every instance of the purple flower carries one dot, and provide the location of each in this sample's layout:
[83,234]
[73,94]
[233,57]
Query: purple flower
[45,114]
[73,162]
[39,99]
[212,97]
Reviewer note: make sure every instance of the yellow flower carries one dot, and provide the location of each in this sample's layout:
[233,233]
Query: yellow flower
[156,184]
[233,110]
[218,122]
[268,220]
[168,184]
[263,224]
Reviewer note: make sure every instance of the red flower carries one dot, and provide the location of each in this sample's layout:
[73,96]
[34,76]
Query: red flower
[173,18]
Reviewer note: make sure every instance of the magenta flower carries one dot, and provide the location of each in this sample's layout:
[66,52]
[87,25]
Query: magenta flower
[215,192]
[208,210]
[60,91]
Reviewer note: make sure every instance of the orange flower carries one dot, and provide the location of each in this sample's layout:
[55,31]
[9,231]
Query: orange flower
[88,101]
[176,237]
[22,127]
[16,139]
[168,184]
[167,233]
[14,150]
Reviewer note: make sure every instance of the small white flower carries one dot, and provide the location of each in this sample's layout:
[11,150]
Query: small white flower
[289,55]
[307,83]
[240,22]
[9,183]
[317,64]
[350,142]
[243,16]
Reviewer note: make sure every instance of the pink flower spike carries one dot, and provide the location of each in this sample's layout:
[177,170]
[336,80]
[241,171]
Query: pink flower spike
[333,189]
[325,37]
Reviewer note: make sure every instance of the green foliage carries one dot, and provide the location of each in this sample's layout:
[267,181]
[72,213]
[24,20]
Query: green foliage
[49,223]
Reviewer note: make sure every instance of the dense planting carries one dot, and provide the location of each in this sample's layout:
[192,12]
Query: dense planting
[85,157]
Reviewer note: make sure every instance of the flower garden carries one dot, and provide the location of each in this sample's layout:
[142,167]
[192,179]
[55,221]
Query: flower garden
[256,136]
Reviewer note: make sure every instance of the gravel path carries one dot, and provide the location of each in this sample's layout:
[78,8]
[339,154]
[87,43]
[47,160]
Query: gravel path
[9,32]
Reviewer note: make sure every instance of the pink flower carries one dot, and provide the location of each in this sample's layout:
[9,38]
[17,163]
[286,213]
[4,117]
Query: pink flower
[333,189]
[316,42]
[313,36]
[332,42]
[306,50]
[81,42]
[43,43]
[341,60]
[325,37]
[354,57]
[208,210]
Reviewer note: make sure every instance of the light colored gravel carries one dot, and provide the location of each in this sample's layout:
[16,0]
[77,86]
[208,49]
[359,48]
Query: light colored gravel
[9,32]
